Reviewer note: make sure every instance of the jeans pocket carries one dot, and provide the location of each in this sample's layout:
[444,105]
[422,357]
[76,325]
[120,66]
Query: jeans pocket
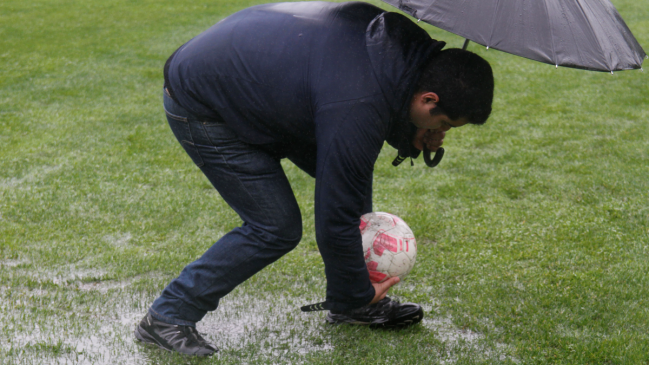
[175,117]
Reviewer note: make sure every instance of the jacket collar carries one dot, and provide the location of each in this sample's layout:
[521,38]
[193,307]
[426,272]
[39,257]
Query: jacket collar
[398,50]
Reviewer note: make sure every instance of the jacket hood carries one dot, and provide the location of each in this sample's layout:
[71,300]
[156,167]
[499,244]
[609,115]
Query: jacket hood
[398,50]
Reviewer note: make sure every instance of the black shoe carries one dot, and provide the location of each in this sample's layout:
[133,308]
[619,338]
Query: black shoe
[386,313]
[172,337]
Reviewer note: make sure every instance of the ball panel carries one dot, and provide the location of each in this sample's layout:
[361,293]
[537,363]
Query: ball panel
[399,265]
[385,219]
[383,242]
[410,248]
[377,277]
[383,261]
[368,253]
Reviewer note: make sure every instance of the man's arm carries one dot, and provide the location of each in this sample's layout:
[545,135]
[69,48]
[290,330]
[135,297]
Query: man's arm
[349,138]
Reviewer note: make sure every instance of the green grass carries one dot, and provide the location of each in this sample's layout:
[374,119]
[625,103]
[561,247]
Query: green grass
[533,232]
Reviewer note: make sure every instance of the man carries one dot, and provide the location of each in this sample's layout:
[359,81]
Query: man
[324,85]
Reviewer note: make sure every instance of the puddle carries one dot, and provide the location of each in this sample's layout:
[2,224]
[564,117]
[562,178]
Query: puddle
[465,341]
[107,344]
[66,278]
[73,277]
[243,321]
[63,326]
[104,286]
[63,275]
[447,332]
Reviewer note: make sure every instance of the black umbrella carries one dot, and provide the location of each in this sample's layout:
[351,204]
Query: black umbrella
[585,34]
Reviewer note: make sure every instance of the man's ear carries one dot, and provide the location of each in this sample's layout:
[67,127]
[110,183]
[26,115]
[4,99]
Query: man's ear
[429,97]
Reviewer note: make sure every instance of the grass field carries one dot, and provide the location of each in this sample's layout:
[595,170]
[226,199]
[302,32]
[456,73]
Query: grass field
[533,232]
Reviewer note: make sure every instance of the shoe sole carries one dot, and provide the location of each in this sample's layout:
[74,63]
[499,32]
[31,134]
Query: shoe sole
[405,321]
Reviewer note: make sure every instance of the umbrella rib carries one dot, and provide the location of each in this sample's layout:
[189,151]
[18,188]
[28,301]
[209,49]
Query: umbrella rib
[554,52]
[590,28]
[430,7]
[462,6]
[493,24]
[429,10]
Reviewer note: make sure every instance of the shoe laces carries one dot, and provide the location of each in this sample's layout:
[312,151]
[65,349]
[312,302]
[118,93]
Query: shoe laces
[190,334]
[386,305]
[197,336]
[382,307]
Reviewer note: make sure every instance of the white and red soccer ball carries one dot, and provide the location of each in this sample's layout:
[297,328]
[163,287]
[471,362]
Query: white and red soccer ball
[389,246]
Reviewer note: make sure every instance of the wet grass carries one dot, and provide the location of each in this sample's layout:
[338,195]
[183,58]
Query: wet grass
[533,232]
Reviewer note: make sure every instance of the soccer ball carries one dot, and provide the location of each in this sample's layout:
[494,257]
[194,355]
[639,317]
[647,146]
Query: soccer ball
[389,246]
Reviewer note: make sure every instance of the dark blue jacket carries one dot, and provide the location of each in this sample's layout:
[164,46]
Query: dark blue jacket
[324,84]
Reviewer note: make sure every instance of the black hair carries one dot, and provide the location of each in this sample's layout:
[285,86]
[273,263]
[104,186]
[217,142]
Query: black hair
[464,83]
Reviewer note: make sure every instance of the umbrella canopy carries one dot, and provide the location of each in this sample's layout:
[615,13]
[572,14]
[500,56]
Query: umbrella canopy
[585,34]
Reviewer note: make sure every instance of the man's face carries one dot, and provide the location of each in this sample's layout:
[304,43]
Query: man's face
[431,128]
[420,107]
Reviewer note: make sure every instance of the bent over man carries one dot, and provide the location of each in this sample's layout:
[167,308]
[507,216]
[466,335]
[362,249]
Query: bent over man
[324,85]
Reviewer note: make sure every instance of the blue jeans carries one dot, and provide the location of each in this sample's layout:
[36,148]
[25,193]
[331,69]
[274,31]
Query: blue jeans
[253,183]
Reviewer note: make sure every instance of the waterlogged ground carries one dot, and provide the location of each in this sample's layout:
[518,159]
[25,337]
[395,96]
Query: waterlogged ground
[533,232]
[72,316]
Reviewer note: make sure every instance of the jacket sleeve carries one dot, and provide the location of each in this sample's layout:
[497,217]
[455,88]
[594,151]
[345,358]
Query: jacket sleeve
[349,136]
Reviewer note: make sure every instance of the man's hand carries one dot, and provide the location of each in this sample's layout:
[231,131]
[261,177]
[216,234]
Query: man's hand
[431,138]
[381,289]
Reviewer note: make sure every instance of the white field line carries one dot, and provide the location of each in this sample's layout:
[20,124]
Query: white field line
[33,175]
